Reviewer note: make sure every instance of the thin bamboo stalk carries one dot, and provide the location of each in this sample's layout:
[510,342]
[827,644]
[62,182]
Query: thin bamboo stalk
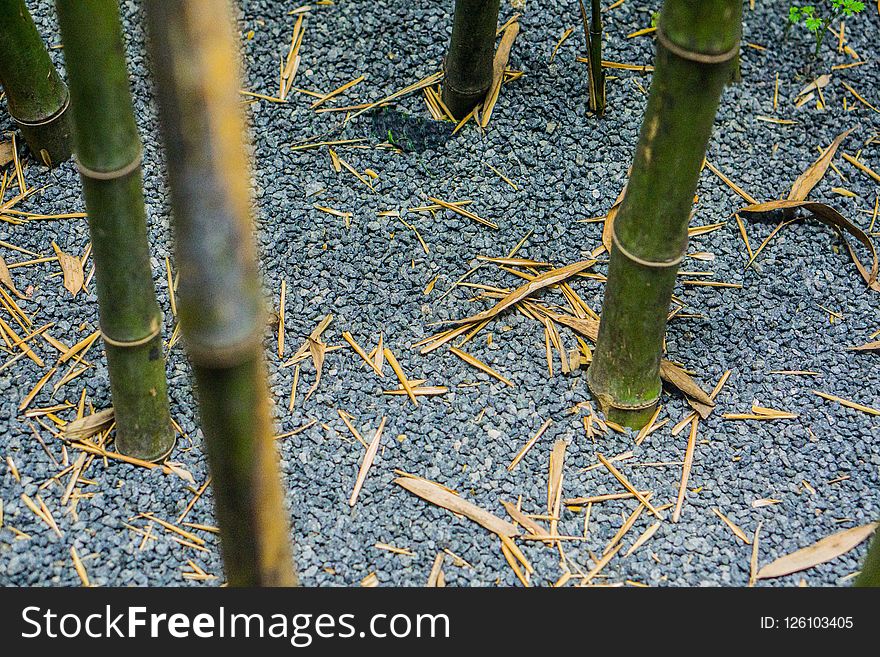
[597,78]
[37,97]
[870,575]
[468,66]
[593,36]
[109,159]
[696,42]
[219,300]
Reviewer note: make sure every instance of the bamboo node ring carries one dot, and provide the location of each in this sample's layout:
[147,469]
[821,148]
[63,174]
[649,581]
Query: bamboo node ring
[111,175]
[663,264]
[607,401]
[46,121]
[699,57]
[157,329]
[634,407]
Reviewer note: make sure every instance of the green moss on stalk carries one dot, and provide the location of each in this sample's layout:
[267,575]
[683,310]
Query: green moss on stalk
[108,151]
[696,44]
[36,95]
[870,575]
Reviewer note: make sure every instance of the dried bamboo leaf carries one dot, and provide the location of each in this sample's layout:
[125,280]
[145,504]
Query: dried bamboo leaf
[435,577]
[72,269]
[608,228]
[868,346]
[317,350]
[732,526]
[589,328]
[816,171]
[480,365]
[522,519]
[554,475]
[6,153]
[366,463]
[538,283]
[499,64]
[6,279]
[673,374]
[819,552]
[832,217]
[180,471]
[436,494]
[89,425]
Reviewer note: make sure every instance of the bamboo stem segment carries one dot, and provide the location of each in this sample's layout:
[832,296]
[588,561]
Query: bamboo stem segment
[37,97]
[696,43]
[220,300]
[870,575]
[468,66]
[109,159]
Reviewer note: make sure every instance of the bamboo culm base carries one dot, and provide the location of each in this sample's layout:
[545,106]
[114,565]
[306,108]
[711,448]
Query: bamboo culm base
[37,98]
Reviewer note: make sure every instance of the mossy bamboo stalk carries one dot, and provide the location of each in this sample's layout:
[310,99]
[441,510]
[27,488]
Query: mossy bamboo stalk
[870,575]
[696,43]
[108,153]
[35,94]
[220,298]
[468,66]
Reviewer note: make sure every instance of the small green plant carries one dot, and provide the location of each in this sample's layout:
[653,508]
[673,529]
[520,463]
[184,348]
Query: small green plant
[817,22]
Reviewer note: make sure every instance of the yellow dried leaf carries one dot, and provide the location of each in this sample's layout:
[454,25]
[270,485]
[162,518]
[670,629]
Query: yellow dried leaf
[819,552]
[673,374]
[72,269]
[438,495]
[538,283]
[816,171]
[828,215]
[6,279]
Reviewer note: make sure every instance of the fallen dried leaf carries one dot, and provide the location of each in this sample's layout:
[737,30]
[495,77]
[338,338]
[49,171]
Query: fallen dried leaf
[819,552]
[816,171]
[72,269]
[89,425]
[538,283]
[436,494]
[6,279]
[828,215]
[673,374]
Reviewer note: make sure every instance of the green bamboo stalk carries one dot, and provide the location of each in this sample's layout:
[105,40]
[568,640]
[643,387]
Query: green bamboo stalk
[696,42]
[108,151]
[468,66]
[36,95]
[220,299]
[870,575]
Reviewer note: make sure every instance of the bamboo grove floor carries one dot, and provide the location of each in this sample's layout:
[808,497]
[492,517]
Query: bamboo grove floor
[340,228]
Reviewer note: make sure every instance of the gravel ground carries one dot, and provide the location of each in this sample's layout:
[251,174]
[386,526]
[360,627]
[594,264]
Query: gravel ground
[823,466]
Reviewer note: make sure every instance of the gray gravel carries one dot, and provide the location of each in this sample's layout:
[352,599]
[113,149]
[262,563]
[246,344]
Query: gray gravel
[567,166]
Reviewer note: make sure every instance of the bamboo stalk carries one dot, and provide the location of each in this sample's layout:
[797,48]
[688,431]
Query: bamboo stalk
[870,575]
[593,36]
[696,42]
[109,159]
[35,94]
[219,299]
[468,66]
